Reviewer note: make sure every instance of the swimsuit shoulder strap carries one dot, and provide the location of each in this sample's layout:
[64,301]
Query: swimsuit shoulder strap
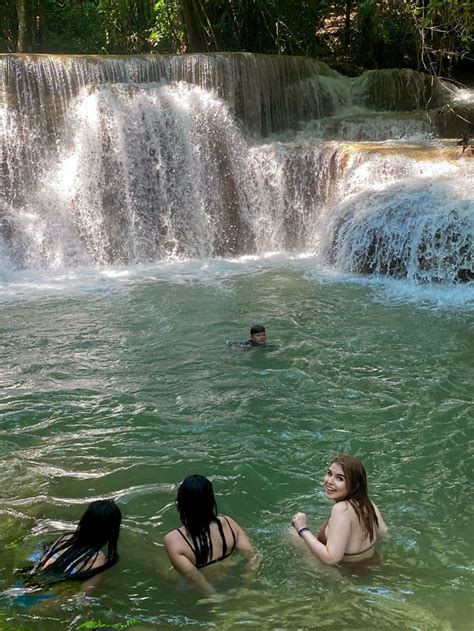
[187,541]
[198,553]
[233,534]
[225,552]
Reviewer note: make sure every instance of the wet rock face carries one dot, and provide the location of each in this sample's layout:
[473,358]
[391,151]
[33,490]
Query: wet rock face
[401,239]
[455,120]
[400,90]
[380,259]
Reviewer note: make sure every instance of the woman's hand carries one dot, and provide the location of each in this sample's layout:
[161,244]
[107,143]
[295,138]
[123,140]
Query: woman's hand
[299,521]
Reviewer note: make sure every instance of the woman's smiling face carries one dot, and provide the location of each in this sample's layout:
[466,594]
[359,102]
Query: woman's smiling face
[335,483]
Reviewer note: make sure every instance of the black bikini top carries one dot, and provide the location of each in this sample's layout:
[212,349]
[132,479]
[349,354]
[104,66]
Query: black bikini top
[200,562]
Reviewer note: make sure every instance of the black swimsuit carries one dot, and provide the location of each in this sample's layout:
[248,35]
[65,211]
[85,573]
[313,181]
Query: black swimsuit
[200,562]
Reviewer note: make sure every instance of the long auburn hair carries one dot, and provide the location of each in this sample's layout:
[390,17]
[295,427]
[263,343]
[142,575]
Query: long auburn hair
[75,554]
[357,494]
[197,508]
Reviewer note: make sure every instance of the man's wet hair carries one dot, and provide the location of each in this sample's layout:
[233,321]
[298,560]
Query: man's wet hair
[257,328]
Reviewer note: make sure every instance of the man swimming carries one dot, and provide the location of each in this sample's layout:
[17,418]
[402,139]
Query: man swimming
[258,339]
[258,336]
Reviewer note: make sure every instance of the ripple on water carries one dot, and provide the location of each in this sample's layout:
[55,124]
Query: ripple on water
[123,392]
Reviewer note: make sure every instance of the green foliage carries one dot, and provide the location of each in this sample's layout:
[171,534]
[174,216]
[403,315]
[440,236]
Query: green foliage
[127,25]
[8,26]
[430,34]
[369,33]
[446,30]
[74,26]
[267,26]
[167,33]
[385,36]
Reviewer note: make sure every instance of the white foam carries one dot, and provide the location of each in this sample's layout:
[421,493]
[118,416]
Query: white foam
[392,291]
[161,172]
[52,284]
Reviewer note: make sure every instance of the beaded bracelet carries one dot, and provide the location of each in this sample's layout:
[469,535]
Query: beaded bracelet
[301,531]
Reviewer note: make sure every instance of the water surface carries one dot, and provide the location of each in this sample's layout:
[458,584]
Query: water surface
[117,382]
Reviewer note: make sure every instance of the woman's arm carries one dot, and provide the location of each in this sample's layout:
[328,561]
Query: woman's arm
[242,542]
[182,564]
[339,529]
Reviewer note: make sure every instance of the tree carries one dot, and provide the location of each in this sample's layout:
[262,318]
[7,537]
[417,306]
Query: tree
[31,25]
[193,15]
[445,33]
[432,35]
[22,46]
[127,25]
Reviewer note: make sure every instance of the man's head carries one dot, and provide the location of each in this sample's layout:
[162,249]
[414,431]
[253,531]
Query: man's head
[258,334]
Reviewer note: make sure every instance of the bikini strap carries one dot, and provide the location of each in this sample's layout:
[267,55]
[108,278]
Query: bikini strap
[224,542]
[188,542]
[233,533]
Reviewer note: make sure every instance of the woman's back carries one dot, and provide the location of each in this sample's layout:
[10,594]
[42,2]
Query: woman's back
[79,555]
[88,561]
[204,538]
[222,542]
[360,543]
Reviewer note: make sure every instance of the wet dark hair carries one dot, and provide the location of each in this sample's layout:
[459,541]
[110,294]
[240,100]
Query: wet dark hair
[197,508]
[358,494]
[257,328]
[74,555]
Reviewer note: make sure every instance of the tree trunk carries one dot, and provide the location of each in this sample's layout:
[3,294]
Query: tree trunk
[195,35]
[40,26]
[347,24]
[22,46]
[31,25]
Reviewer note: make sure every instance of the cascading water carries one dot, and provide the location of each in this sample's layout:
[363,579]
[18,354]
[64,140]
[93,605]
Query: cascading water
[151,209]
[134,160]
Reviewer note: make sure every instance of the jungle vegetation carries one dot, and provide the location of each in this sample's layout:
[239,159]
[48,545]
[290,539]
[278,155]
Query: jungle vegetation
[430,35]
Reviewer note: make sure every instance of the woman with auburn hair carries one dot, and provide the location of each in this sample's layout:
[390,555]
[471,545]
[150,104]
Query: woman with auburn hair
[205,537]
[354,524]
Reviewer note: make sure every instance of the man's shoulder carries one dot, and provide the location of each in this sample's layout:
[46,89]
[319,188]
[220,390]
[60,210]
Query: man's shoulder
[240,343]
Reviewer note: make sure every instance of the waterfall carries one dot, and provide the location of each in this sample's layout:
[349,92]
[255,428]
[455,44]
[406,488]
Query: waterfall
[420,228]
[128,160]
[402,90]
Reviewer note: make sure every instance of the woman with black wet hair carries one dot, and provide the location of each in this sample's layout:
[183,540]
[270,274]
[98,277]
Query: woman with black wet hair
[79,555]
[205,537]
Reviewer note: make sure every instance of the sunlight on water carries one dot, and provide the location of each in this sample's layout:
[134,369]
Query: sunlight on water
[29,285]
[153,209]
[66,177]
[87,110]
[118,382]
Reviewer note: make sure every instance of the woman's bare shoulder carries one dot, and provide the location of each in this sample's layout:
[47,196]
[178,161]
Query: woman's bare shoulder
[242,541]
[226,518]
[342,508]
[230,520]
[171,537]
[99,561]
